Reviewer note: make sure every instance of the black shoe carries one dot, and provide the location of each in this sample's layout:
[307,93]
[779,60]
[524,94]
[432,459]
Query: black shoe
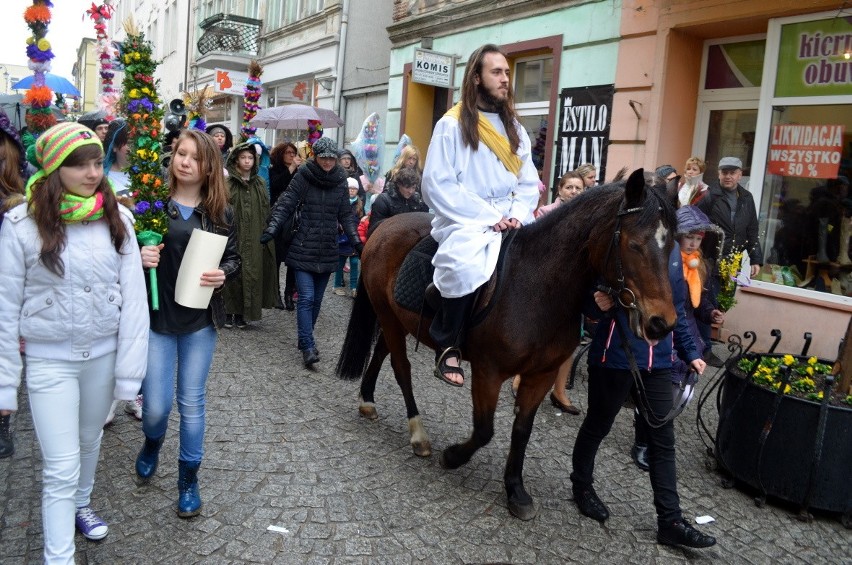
[681,533]
[229,321]
[309,357]
[288,302]
[7,446]
[639,453]
[316,353]
[240,322]
[590,505]
[712,360]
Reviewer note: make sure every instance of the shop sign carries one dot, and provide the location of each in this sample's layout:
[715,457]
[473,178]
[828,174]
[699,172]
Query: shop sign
[810,151]
[584,120]
[431,67]
[812,58]
[230,82]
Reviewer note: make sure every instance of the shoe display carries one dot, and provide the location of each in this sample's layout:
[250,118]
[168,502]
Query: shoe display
[639,453]
[680,532]
[229,321]
[189,500]
[240,322]
[7,446]
[589,504]
[134,407]
[89,524]
[339,291]
[309,357]
[111,414]
[712,360]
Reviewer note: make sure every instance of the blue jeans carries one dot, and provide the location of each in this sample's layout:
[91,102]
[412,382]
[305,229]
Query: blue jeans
[192,355]
[354,268]
[311,287]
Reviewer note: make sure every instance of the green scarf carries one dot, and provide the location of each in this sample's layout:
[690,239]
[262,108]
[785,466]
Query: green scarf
[72,208]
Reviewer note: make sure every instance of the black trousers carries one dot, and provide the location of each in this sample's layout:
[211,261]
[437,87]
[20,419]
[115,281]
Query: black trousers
[448,325]
[608,389]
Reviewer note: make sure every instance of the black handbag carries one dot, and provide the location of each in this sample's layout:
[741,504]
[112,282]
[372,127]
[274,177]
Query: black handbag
[290,231]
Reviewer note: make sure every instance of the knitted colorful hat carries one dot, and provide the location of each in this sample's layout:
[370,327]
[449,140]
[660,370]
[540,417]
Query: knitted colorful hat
[54,145]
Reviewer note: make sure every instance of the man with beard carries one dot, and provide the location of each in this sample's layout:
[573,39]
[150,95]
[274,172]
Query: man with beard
[479,180]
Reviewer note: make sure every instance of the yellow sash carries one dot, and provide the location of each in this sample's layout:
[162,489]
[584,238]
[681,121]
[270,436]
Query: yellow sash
[493,140]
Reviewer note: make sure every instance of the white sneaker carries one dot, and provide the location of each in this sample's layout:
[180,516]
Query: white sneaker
[111,414]
[134,407]
[353,293]
[340,291]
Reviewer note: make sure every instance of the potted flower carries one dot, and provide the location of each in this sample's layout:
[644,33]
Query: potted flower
[785,428]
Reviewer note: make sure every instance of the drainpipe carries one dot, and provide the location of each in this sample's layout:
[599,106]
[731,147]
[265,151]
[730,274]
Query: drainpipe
[341,57]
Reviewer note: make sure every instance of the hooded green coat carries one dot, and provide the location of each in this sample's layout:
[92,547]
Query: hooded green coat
[256,287]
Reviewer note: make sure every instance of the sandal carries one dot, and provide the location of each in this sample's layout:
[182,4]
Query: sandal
[441,367]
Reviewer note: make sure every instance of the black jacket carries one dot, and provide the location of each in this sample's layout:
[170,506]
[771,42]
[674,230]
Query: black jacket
[743,231]
[324,197]
[390,203]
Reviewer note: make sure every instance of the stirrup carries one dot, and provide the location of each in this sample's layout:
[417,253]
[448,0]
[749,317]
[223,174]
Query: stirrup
[441,367]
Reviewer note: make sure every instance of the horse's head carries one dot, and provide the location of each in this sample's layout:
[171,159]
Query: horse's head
[631,251]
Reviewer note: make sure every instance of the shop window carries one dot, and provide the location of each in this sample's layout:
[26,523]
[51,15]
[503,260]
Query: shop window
[734,65]
[806,205]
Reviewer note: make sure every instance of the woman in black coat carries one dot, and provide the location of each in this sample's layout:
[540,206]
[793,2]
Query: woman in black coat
[285,160]
[319,188]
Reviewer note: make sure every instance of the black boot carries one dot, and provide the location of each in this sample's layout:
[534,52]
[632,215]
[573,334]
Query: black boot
[680,532]
[7,447]
[639,453]
[589,504]
[309,357]
[288,302]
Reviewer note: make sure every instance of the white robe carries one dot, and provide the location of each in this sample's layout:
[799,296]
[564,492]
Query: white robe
[470,191]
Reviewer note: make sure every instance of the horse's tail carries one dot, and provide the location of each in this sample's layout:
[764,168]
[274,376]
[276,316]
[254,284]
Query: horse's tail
[360,337]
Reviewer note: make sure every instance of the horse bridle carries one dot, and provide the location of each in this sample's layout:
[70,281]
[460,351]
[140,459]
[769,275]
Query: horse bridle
[631,304]
[621,289]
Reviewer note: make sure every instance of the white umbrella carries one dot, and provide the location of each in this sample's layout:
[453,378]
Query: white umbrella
[294,116]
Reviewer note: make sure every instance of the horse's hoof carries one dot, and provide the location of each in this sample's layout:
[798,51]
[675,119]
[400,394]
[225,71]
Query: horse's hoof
[525,512]
[447,460]
[422,448]
[368,411]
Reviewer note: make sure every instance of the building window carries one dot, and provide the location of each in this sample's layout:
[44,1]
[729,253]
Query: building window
[296,10]
[532,84]
[734,65]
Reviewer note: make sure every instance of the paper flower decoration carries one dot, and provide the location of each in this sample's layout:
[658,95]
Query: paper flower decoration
[141,104]
[39,117]
[314,131]
[197,105]
[105,54]
[251,97]
[368,148]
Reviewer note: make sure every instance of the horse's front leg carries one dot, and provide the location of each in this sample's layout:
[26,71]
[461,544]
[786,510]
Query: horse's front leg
[367,406]
[485,390]
[530,394]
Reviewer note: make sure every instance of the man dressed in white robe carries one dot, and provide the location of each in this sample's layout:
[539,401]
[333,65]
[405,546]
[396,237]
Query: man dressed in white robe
[480,181]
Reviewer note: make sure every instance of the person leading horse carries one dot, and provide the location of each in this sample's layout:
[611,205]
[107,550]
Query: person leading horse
[480,181]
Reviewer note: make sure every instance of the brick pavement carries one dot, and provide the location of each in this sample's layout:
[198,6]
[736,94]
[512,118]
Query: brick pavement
[286,447]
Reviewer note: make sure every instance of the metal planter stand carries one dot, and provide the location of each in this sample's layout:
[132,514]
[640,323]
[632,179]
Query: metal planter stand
[786,447]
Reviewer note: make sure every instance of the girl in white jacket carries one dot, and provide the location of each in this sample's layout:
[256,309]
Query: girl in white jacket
[73,288]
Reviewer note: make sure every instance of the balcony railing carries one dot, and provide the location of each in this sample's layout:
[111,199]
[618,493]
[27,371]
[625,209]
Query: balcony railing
[231,34]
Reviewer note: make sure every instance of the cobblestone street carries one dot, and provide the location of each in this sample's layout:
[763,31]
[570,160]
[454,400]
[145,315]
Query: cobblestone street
[286,447]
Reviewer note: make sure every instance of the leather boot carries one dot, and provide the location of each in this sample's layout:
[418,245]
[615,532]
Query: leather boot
[189,501]
[7,447]
[146,461]
[680,532]
[289,305]
[639,453]
[589,504]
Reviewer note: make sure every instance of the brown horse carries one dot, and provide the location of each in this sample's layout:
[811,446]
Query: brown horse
[620,234]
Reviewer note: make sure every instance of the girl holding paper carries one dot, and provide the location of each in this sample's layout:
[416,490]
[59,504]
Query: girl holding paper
[72,288]
[181,337]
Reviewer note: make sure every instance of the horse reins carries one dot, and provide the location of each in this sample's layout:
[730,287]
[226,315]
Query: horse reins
[617,293]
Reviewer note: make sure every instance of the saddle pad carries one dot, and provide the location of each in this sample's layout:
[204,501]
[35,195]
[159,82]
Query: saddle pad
[415,274]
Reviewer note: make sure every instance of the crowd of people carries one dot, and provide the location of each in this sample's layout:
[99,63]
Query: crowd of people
[73,279]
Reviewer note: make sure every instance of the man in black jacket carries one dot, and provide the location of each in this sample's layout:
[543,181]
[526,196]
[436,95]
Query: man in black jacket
[732,208]
[400,196]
